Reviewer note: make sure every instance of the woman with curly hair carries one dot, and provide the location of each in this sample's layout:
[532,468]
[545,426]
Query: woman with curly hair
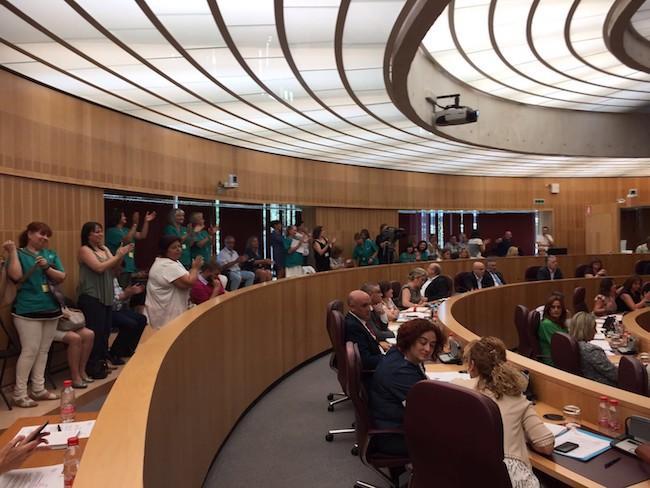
[492,376]
[402,367]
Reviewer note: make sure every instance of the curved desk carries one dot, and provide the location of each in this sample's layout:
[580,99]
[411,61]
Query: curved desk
[178,398]
[638,323]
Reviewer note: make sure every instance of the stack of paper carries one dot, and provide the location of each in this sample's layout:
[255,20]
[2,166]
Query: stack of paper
[447,376]
[590,445]
[60,433]
[45,477]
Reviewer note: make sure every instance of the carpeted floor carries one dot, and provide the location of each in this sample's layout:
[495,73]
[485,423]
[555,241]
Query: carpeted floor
[281,441]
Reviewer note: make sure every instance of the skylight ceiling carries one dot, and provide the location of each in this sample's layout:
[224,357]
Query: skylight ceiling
[549,53]
[274,77]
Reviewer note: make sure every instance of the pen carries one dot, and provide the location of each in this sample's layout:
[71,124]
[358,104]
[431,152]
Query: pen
[612,462]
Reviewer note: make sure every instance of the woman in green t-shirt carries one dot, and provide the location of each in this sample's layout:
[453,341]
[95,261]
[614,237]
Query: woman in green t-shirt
[408,256]
[201,237]
[553,320]
[35,311]
[175,228]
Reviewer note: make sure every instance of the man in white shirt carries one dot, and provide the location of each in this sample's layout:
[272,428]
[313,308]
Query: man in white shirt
[643,248]
[229,261]
[544,241]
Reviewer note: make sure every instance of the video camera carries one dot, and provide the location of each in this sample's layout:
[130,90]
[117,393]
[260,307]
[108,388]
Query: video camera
[392,234]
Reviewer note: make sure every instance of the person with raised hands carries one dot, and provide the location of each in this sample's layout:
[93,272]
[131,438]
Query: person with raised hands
[96,263]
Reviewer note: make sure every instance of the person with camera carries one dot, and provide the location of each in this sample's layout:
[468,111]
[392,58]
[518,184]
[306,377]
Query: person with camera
[385,242]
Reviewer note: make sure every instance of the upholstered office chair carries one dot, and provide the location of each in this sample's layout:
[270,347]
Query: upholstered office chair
[11,350]
[450,284]
[565,353]
[642,267]
[579,303]
[534,318]
[336,331]
[531,273]
[397,293]
[454,437]
[388,467]
[459,282]
[582,270]
[632,375]
[334,305]
[521,323]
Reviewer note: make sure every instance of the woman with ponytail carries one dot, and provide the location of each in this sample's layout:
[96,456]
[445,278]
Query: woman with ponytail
[494,377]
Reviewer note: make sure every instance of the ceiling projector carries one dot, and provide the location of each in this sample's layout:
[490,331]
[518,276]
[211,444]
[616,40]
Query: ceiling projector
[455,114]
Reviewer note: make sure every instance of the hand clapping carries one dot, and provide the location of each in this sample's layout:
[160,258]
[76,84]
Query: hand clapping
[9,246]
[149,216]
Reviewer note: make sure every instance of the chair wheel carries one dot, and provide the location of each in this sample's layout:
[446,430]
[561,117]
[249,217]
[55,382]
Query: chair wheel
[329,437]
[354,451]
[330,397]
[330,408]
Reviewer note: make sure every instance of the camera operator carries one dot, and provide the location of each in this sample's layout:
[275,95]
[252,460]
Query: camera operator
[386,245]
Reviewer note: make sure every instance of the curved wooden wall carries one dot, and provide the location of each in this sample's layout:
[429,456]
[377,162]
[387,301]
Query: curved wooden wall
[638,323]
[178,398]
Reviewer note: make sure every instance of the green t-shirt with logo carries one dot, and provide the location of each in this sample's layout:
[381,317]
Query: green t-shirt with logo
[294,258]
[186,258]
[114,237]
[34,295]
[204,251]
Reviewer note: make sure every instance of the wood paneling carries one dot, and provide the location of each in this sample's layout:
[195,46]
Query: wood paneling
[602,228]
[49,135]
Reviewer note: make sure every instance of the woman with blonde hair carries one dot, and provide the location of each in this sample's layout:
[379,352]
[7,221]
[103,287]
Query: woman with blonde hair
[594,363]
[492,376]
[410,295]
[512,251]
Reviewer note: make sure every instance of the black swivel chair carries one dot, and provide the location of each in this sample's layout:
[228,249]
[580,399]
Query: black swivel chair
[12,350]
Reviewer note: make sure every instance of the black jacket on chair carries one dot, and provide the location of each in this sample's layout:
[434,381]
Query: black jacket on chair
[545,274]
[437,289]
[471,283]
[369,349]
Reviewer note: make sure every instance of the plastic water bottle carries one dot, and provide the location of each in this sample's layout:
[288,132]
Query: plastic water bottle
[67,402]
[603,412]
[71,460]
[614,424]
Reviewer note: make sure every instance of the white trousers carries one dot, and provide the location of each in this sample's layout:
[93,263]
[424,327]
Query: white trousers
[35,339]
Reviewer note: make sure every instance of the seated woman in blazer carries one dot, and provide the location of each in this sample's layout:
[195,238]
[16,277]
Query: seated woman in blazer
[403,366]
[495,378]
[593,360]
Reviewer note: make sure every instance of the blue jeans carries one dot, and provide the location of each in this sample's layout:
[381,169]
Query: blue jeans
[235,278]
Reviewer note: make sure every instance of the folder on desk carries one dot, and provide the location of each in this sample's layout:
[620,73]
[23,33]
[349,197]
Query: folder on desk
[590,444]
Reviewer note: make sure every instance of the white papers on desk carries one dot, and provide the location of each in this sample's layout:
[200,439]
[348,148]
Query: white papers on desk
[447,376]
[415,315]
[391,340]
[589,445]
[44,477]
[58,439]
[555,429]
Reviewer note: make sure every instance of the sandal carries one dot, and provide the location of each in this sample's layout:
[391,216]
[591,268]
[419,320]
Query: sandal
[24,402]
[86,379]
[44,395]
[81,384]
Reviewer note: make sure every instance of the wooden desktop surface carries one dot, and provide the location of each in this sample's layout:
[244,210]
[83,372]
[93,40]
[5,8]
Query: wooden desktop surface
[240,344]
[44,456]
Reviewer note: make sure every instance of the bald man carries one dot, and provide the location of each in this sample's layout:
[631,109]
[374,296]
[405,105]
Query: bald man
[478,278]
[359,331]
[436,287]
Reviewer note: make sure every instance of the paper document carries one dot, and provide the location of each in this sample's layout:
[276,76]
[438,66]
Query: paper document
[555,428]
[59,438]
[447,376]
[45,477]
[391,340]
[589,445]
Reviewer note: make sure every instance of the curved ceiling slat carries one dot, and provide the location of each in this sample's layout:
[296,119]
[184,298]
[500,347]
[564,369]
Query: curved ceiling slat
[292,77]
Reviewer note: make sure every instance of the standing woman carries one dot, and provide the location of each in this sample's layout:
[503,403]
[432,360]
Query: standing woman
[96,263]
[36,311]
[169,284]
[175,228]
[322,247]
[118,234]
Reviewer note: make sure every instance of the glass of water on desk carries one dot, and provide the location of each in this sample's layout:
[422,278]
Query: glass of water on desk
[572,415]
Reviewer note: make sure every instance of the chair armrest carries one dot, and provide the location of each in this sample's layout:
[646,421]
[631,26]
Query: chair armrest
[372,432]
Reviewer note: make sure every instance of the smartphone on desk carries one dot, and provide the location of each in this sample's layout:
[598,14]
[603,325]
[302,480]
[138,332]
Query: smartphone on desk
[566,447]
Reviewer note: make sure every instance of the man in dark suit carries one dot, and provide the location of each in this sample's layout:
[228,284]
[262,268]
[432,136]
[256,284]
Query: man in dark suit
[497,277]
[436,286]
[378,317]
[503,244]
[478,278]
[358,330]
[550,271]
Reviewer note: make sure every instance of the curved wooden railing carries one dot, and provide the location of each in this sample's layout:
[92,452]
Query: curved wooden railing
[177,399]
[638,323]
